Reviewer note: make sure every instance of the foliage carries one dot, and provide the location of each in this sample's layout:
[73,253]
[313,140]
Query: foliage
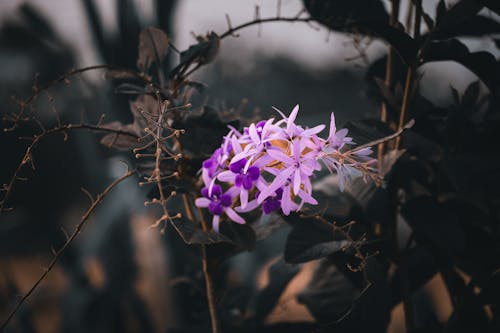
[441,178]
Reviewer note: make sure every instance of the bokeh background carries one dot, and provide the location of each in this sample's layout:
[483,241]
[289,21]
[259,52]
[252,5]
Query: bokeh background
[121,276]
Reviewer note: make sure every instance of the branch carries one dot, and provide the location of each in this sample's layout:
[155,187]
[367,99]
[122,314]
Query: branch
[68,242]
[36,140]
[64,78]
[231,31]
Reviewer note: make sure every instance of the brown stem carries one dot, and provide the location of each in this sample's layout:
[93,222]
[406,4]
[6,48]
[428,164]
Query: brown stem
[71,238]
[388,77]
[410,74]
[401,256]
[209,267]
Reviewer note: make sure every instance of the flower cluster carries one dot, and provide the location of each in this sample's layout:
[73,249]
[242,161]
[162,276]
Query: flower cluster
[270,165]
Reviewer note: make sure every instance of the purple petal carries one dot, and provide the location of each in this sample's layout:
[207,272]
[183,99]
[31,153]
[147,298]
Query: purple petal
[207,164]
[312,131]
[216,190]
[251,205]
[296,182]
[237,167]
[226,200]
[279,156]
[247,182]
[233,216]
[287,205]
[204,192]
[253,172]
[278,182]
[238,180]
[215,208]
[244,198]
[226,176]
[202,202]
[291,119]
[270,205]
[333,128]
[215,223]
[252,131]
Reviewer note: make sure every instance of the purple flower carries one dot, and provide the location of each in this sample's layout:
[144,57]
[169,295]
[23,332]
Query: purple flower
[218,203]
[242,179]
[272,203]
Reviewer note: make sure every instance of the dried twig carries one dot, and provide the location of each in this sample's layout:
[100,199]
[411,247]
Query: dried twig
[68,242]
[64,78]
[27,158]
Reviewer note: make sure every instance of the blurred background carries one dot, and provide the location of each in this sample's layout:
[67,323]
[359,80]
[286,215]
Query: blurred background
[121,276]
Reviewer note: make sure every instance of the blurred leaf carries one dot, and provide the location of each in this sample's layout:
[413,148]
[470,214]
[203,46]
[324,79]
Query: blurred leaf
[422,265]
[475,26]
[329,295]
[457,14]
[343,10]
[493,5]
[130,89]
[36,22]
[153,47]
[342,307]
[310,239]
[482,63]
[201,53]
[365,17]
[266,225]
[204,130]
[280,274]
[435,225]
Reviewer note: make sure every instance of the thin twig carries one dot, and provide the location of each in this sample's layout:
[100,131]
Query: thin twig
[64,78]
[296,18]
[68,242]
[36,140]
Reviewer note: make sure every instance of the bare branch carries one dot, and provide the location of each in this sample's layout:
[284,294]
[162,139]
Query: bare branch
[68,242]
[28,158]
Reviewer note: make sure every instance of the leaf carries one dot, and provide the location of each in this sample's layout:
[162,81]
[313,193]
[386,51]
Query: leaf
[201,53]
[483,64]
[192,233]
[153,47]
[335,301]
[435,225]
[280,274]
[267,225]
[130,89]
[329,295]
[365,17]
[475,26]
[456,15]
[310,240]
